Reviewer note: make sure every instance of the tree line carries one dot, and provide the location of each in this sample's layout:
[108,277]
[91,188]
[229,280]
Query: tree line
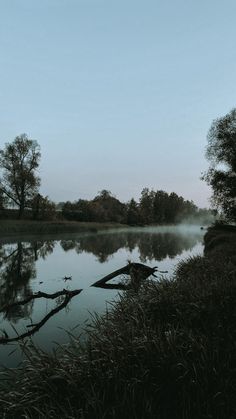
[153,207]
[19,186]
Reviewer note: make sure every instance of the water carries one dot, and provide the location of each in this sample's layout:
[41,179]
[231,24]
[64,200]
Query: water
[32,264]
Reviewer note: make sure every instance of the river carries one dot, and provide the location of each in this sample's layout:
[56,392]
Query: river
[50,264]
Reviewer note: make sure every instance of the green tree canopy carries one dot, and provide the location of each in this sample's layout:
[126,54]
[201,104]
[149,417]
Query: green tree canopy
[221,153]
[18,163]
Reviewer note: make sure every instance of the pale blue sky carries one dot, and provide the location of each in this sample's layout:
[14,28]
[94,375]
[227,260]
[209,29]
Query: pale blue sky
[119,94]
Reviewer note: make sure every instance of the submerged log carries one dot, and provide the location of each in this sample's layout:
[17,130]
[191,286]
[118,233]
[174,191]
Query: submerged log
[118,286]
[137,272]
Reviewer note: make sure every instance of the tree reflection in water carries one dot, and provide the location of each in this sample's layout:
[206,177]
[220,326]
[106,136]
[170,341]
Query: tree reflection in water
[151,246]
[17,267]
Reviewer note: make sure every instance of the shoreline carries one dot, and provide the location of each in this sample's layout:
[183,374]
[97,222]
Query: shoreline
[9,228]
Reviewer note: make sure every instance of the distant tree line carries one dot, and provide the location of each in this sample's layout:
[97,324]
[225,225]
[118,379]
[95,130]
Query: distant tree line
[154,207]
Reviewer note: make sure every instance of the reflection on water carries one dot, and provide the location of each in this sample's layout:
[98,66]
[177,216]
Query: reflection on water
[32,265]
[151,244]
[17,268]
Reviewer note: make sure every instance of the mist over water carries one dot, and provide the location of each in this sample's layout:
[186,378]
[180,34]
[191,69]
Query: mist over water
[41,264]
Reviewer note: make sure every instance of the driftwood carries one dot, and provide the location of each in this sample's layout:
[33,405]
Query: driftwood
[35,327]
[118,286]
[137,272]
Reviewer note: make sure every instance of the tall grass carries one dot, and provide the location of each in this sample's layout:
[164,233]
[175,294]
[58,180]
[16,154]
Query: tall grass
[167,351]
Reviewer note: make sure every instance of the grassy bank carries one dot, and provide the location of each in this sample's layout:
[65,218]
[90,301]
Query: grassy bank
[27,227]
[167,351]
[221,238]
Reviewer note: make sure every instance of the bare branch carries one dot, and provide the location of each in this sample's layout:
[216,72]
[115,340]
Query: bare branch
[35,327]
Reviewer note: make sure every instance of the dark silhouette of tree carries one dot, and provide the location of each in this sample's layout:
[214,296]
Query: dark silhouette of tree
[133,214]
[18,163]
[221,153]
[146,206]
[77,211]
[153,208]
[43,208]
[106,207]
[159,207]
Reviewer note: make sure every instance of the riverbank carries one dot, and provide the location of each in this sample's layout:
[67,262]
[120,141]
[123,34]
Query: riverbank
[167,351]
[14,227]
[28,227]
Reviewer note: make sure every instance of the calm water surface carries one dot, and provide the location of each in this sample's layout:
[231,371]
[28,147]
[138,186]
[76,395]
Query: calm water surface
[29,265]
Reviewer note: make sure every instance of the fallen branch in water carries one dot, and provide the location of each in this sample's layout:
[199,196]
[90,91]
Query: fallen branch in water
[137,272]
[35,327]
[38,294]
[118,286]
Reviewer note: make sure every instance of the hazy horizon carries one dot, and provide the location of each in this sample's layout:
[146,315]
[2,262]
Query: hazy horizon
[119,95]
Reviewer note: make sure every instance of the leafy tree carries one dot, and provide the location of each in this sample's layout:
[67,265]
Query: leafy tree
[160,205]
[173,207]
[133,216]
[77,211]
[146,205]
[18,163]
[221,153]
[103,195]
[43,208]
[105,207]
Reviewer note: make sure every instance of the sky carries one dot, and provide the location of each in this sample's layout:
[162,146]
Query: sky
[119,94]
